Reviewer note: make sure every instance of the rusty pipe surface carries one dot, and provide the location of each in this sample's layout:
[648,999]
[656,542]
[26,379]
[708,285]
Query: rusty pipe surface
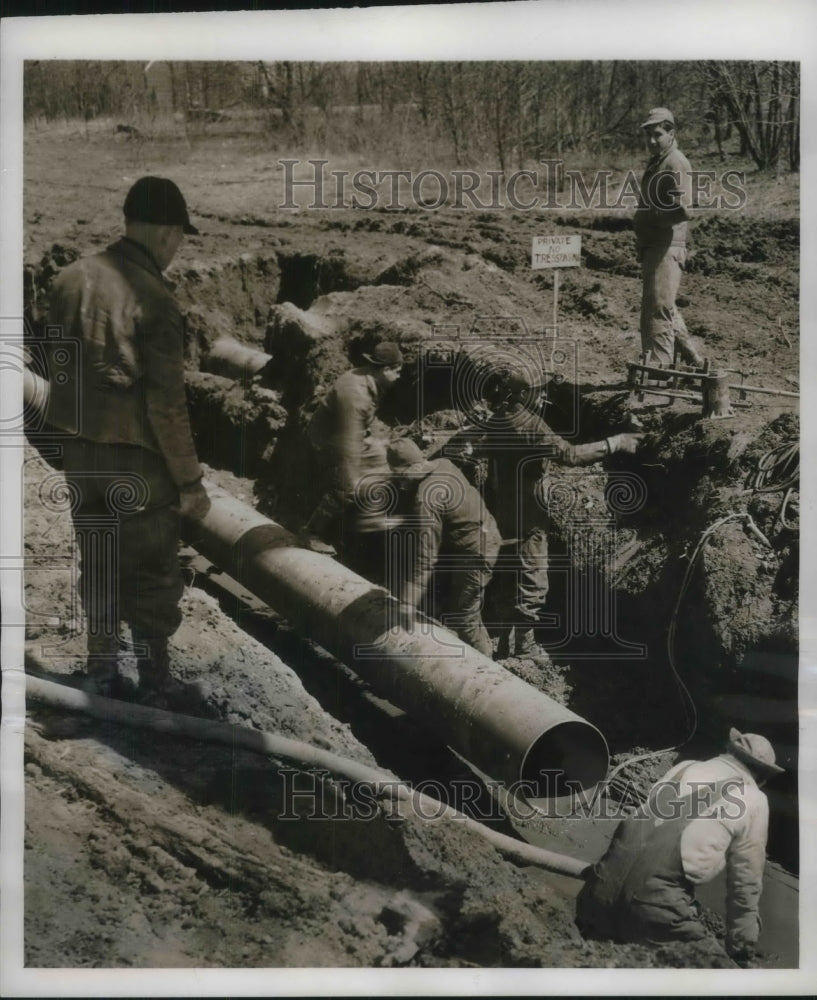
[233,359]
[507,728]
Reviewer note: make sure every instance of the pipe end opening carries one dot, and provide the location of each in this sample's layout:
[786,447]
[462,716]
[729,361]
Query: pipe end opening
[570,757]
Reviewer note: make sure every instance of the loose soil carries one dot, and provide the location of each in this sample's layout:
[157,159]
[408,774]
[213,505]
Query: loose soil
[150,851]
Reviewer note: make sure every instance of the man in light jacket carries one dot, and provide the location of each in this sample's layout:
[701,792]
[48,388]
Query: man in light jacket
[660,224]
[345,448]
[700,817]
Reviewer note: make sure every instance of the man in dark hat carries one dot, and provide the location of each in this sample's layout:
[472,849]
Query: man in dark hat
[700,817]
[517,444]
[129,458]
[346,448]
[660,225]
[450,520]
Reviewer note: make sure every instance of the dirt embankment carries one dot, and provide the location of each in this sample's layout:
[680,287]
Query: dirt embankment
[145,851]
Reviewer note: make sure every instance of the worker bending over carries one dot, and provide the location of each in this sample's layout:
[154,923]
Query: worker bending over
[448,519]
[700,817]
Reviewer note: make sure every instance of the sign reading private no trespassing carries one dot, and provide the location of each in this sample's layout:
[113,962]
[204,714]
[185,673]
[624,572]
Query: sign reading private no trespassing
[556,251]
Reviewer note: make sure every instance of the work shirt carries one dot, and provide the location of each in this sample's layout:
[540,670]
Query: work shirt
[341,427]
[665,201]
[117,374]
[735,840]
[518,444]
[448,515]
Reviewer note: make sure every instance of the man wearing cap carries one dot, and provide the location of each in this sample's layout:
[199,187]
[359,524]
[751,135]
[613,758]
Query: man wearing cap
[129,459]
[700,817]
[448,518]
[660,225]
[517,444]
[342,438]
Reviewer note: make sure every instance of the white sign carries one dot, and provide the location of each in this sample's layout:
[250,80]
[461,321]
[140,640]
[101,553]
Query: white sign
[556,251]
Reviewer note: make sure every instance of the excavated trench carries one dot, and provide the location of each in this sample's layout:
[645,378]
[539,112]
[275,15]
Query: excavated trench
[622,537]
[621,540]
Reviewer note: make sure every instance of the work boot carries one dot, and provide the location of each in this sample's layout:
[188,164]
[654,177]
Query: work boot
[102,665]
[157,686]
[153,665]
[503,645]
[527,648]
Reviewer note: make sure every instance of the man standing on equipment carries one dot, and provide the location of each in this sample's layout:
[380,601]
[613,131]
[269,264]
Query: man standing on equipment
[660,225]
[130,462]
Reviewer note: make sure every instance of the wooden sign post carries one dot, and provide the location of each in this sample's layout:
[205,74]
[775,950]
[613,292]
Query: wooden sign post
[556,252]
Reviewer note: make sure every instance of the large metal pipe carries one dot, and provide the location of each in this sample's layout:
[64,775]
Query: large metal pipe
[233,359]
[510,730]
[507,728]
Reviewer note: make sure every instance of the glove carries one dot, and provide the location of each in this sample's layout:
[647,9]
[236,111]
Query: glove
[193,501]
[627,443]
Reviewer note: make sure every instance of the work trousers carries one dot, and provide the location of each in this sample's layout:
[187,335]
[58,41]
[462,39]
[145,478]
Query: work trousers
[522,585]
[124,507]
[662,325]
[464,594]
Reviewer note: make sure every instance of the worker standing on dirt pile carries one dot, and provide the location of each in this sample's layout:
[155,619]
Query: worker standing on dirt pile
[517,444]
[450,519]
[700,817]
[660,225]
[345,448]
[132,459]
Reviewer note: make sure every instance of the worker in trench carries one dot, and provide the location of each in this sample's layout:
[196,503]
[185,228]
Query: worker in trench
[350,461]
[700,817]
[448,530]
[128,453]
[516,444]
[660,224]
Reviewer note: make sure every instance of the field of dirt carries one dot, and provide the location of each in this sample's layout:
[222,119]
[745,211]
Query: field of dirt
[149,851]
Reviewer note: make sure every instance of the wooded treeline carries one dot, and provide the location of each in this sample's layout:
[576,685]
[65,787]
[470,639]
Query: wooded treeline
[513,113]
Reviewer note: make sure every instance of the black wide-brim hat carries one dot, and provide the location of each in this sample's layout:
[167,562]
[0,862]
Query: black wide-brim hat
[159,201]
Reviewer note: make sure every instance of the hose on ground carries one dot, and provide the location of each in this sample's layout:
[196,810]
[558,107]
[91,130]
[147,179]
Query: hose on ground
[632,797]
[303,754]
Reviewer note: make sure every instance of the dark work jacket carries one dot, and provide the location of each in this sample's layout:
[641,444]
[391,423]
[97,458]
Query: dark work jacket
[123,382]
[449,516]
[518,444]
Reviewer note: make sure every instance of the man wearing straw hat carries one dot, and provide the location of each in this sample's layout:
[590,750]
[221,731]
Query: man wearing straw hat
[700,817]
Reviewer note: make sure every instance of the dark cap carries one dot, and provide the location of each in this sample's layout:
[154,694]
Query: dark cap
[159,201]
[406,459]
[657,116]
[385,355]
